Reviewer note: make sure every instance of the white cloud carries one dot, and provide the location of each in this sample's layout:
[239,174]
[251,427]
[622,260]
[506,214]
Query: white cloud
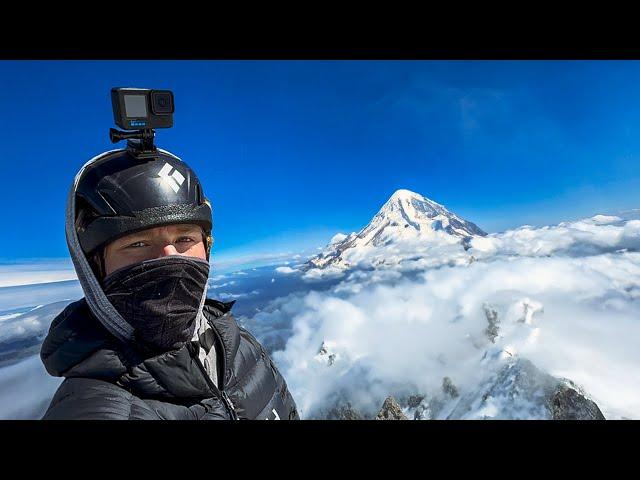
[598,234]
[26,389]
[227,296]
[337,238]
[35,322]
[29,272]
[24,296]
[285,270]
[220,285]
[567,298]
[231,263]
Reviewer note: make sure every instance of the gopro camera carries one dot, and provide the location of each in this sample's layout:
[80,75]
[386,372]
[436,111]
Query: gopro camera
[142,109]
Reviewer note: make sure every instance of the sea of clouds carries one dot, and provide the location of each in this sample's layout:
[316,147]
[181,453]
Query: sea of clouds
[566,297]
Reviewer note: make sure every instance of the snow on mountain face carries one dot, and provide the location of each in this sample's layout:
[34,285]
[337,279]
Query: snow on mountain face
[519,390]
[406,218]
[407,215]
[505,317]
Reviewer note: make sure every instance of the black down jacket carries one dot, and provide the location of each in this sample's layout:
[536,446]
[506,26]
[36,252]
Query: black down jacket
[104,379]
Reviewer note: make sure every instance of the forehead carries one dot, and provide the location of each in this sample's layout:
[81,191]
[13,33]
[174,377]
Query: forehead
[165,230]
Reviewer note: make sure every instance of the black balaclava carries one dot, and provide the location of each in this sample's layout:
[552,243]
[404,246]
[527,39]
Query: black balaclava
[160,298]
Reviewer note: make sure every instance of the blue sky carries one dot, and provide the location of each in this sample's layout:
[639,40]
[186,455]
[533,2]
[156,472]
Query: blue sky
[291,152]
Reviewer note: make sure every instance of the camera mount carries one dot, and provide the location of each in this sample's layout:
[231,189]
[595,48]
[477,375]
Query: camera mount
[139,142]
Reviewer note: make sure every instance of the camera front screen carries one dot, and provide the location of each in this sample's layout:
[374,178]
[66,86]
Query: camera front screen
[135,106]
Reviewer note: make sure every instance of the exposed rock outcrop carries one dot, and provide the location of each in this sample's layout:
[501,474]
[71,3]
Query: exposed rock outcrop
[344,412]
[391,411]
[493,328]
[449,388]
[568,404]
[519,390]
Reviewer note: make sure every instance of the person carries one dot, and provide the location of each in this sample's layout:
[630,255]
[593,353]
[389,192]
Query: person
[145,342]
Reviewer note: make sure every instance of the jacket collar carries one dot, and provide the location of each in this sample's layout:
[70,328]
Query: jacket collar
[77,345]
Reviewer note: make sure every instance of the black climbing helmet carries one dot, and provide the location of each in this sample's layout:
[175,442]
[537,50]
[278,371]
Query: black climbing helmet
[120,194]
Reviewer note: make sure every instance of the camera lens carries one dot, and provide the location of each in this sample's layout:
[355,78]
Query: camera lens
[162,102]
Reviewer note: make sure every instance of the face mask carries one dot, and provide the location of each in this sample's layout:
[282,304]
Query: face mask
[160,299]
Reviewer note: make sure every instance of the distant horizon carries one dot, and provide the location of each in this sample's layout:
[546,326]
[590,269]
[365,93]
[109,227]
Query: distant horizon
[292,152]
[233,256]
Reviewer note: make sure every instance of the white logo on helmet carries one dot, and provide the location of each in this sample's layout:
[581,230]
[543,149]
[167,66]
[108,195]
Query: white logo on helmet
[174,180]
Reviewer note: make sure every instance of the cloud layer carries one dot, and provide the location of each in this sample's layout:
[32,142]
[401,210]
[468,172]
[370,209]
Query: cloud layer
[566,297]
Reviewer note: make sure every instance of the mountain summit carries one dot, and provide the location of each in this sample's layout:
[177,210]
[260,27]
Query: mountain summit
[406,217]
[408,214]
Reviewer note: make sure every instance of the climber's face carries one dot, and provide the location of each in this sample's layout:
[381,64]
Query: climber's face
[179,239]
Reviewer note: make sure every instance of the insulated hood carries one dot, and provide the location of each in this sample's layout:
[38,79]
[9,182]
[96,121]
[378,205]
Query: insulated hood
[96,299]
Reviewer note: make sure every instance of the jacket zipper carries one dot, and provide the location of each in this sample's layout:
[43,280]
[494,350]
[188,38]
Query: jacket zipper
[219,392]
[223,382]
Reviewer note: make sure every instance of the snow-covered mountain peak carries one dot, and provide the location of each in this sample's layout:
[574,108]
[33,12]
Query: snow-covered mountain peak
[403,194]
[405,217]
[411,208]
[408,195]
[410,203]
